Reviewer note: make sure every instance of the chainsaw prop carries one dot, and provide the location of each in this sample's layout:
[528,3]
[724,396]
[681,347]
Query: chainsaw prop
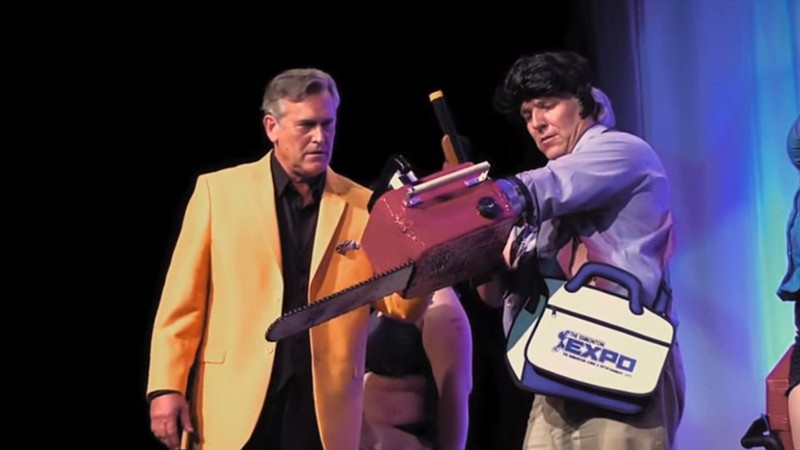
[423,235]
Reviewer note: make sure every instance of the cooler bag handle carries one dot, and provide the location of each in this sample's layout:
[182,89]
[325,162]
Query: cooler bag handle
[611,273]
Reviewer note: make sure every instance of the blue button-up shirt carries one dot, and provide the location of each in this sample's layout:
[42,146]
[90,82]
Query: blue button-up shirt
[612,193]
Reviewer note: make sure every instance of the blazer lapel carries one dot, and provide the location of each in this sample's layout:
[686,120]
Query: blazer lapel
[331,209]
[265,210]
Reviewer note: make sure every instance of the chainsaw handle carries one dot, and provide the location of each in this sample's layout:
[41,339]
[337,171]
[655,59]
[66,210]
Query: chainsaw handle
[480,168]
[453,148]
[611,273]
[474,174]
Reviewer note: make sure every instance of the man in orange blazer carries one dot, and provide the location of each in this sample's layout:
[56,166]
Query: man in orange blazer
[257,240]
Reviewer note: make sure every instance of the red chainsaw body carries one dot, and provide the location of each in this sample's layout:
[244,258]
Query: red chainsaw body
[441,230]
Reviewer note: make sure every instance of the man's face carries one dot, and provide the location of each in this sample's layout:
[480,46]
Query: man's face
[555,124]
[303,136]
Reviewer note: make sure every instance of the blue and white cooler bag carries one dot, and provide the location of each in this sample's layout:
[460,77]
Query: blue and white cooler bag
[587,344]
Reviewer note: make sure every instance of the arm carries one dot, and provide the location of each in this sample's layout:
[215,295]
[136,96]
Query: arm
[179,321]
[607,167]
[398,307]
[492,290]
[447,339]
[794,390]
[794,415]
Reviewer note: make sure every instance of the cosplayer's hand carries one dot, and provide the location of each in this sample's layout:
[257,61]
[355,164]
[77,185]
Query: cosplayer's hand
[165,412]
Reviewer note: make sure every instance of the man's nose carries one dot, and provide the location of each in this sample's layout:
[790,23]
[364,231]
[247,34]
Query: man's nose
[537,123]
[318,134]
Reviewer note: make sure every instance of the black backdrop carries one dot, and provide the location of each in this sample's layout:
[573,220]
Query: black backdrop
[196,83]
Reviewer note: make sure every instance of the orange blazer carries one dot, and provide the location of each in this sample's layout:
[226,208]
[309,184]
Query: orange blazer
[224,288]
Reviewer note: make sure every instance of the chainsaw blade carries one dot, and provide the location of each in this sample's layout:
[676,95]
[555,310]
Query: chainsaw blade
[338,303]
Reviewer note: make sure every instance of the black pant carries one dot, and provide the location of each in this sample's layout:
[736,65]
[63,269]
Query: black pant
[794,363]
[288,420]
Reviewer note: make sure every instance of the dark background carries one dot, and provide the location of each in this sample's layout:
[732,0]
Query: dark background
[195,83]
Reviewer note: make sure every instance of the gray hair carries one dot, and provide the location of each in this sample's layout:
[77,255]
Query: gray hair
[295,85]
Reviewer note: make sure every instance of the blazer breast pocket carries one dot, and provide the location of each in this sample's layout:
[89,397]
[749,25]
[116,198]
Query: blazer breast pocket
[348,248]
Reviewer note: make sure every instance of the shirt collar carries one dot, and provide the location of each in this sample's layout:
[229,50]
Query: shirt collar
[282,181]
[588,135]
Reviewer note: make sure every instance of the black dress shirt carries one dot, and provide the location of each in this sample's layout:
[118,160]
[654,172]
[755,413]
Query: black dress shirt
[288,419]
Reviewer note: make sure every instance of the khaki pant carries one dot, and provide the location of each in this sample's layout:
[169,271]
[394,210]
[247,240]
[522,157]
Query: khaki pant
[557,424]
